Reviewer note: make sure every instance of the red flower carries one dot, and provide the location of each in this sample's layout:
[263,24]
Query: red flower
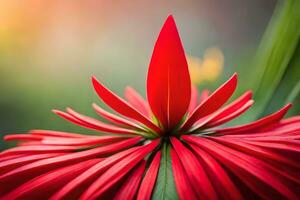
[172,147]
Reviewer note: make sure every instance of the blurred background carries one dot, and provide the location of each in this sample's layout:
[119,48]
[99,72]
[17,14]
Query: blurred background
[50,49]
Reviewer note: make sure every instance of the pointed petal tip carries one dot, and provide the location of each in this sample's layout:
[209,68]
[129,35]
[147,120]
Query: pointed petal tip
[55,111]
[93,78]
[128,89]
[287,107]
[5,137]
[170,20]
[233,79]
[250,93]
[94,105]
[95,81]
[235,76]
[68,108]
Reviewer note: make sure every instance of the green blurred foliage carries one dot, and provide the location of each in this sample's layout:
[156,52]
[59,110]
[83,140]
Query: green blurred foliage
[278,59]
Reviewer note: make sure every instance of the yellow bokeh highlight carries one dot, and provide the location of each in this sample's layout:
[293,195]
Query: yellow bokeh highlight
[207,69]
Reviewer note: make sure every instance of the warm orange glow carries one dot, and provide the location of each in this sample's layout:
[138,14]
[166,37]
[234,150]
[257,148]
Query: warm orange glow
[207,69]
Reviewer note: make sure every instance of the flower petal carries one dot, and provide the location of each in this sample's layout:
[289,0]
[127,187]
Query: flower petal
[38,149]
[137,101]
[209,121]
[220,179]
[212,103]
[131,185]
[116,119]
[194,99]
[231,108]
[195,172]
[282,163]
[149,179]
[270,119]
[116,172]
[57,134]
[33,169]
[61,141]
[252,171]
[230,116]
[182,183]
[90,175]
[121,106]
[168,82]
[204,95]
[42,186]
[90,123]
[24,159]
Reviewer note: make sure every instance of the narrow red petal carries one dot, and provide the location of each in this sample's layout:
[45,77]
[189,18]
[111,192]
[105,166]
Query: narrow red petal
[61,141]
[234,106]
[130,187]
[149,179]
[195,172]
[116,172]
[137,101]
[42,186]
[258,151]
[204,95]
[86,178]
[9,157]
[223,184]
[183,186]
[36,167]
[245,167]
[90,123]
[56,133]
[121,106]
[194,99]
[212,103]
[116,119]
[280,144]
[101,140]
[168,82]
[94,122]
[230,115]
[275,117]
[38,149]
[289,127]
[208,121]
[24,159]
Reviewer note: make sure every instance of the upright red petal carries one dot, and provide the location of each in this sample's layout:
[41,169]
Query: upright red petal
[168,83]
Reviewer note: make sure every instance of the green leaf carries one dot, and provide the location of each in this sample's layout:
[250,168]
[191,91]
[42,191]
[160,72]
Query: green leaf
[289,87]
[165,186]
[276,50]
